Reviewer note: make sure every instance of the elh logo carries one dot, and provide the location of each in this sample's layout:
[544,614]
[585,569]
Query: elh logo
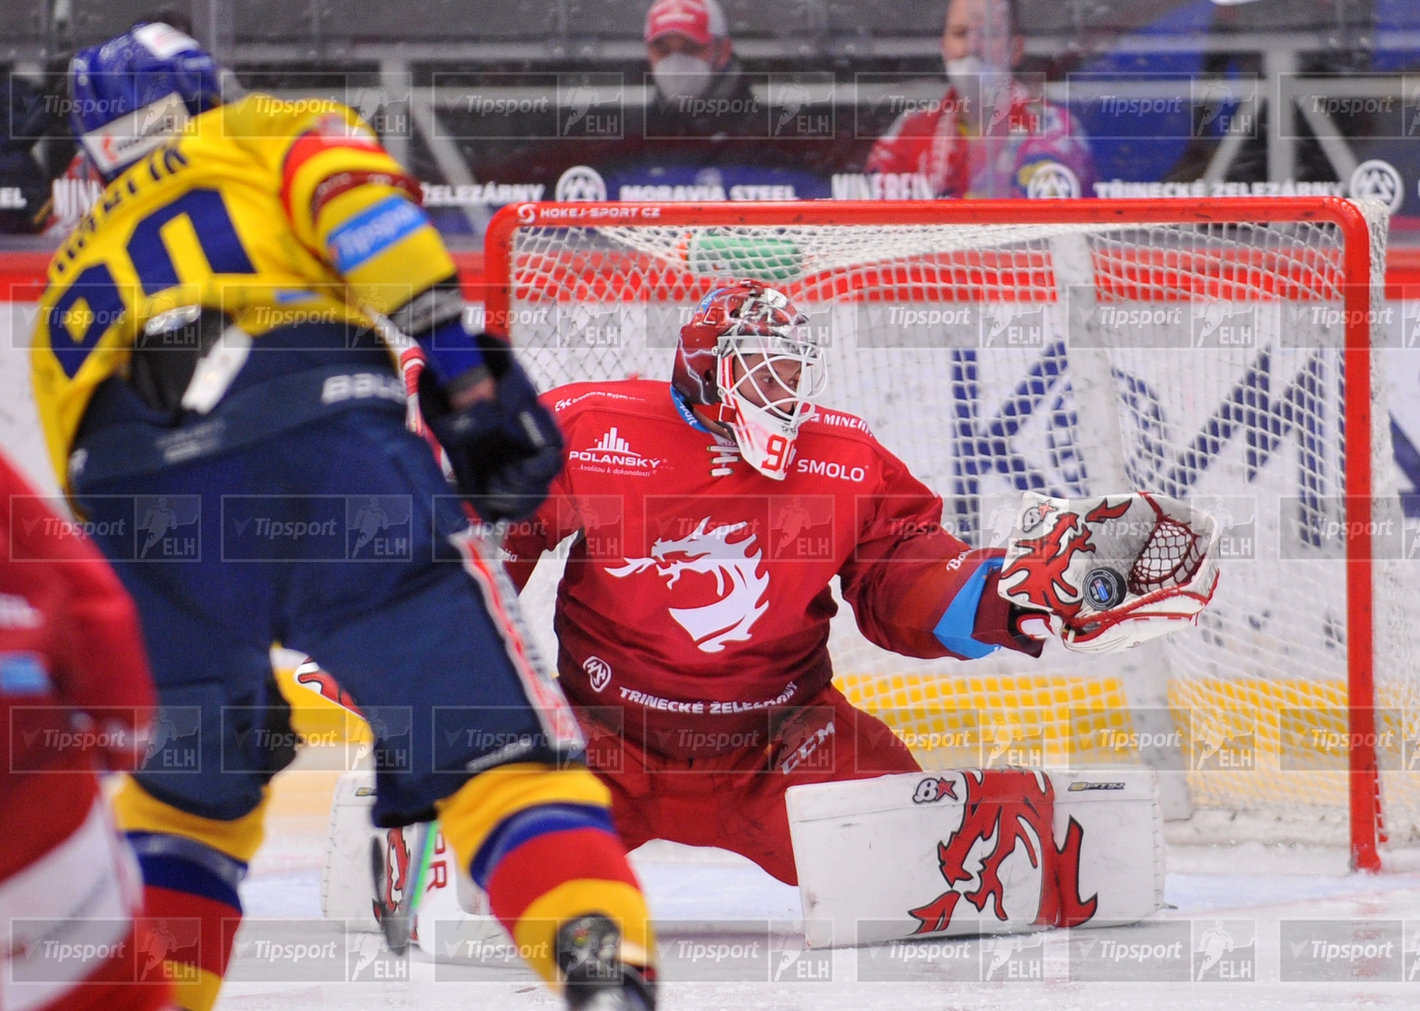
[1012,324]
[591,105]
[168,527]
[792,112]
[583,325]
[167,949]
[175,740]
[1013,958]
[1224,325]
[1221,745]
[1224,951]
[379,527]
[1224,107]
[1005,741]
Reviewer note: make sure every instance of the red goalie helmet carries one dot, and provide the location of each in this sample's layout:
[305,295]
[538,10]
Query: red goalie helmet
[748,350]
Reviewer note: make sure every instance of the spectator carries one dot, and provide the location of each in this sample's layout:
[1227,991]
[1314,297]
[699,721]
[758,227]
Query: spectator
[24,187]
[701,88]
[992,134]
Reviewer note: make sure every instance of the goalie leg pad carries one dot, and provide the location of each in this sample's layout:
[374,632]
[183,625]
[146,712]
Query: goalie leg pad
[975,852]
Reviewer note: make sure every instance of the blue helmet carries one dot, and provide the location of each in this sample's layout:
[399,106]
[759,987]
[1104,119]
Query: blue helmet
[137,89]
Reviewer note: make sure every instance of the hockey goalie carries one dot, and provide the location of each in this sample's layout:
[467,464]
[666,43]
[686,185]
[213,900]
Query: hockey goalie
[707,519]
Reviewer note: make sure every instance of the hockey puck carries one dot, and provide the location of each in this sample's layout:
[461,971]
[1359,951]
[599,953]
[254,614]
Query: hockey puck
[1104,588]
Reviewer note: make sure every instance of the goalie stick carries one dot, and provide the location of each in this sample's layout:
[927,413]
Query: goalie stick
[397,919]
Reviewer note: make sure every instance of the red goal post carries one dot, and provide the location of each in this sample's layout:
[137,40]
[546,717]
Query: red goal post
[551,268]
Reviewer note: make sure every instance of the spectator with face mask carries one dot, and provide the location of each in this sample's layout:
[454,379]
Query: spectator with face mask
[700,87]
[992,134]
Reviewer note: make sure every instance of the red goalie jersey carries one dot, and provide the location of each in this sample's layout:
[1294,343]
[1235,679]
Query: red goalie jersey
[696,592]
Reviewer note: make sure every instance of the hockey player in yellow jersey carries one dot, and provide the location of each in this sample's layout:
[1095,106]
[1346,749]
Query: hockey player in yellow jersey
[207,350]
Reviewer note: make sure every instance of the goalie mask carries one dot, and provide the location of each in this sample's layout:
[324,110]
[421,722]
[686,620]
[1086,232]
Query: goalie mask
[133,92]
[748,355]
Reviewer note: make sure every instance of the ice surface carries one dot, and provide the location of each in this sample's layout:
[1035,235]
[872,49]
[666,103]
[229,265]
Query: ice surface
[1250,927]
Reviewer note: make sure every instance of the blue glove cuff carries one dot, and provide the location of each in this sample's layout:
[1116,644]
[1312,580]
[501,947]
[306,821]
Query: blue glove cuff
[452,350]
[954,629]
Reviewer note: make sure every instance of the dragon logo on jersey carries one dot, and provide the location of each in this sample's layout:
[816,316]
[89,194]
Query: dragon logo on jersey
[1005,810]
[741,582]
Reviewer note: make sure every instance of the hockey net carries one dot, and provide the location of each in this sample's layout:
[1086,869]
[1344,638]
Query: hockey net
[1216,351]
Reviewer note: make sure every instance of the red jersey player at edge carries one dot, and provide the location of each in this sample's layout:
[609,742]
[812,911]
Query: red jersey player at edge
[693,616]
[75,693]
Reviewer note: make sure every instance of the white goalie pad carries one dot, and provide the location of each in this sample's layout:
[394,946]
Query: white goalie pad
[347,889]
[1113,571]
[972,852]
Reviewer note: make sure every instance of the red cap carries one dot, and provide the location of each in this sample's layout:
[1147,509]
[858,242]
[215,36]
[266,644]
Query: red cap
[698,20]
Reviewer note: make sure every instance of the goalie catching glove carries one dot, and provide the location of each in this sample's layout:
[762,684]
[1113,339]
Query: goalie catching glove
[1108,573]
[504,446]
